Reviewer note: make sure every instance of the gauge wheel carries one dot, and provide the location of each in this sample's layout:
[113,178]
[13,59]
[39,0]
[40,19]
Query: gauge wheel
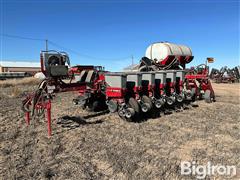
[207,96]
[146,99]
[134,104]
[112,106]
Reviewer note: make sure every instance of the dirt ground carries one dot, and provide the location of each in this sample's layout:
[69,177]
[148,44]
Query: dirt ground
[102,146]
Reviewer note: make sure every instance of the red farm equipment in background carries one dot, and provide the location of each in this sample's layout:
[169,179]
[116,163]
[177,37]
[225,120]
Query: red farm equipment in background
[225,75]
[198,82]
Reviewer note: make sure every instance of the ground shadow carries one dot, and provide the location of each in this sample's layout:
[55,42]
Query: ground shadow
[96,114]
[73,122]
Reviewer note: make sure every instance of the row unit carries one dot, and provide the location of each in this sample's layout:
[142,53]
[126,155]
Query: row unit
[139,79]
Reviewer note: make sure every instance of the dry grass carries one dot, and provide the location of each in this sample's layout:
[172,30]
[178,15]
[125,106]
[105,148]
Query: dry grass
[105,147]
[15,92]
[16,82]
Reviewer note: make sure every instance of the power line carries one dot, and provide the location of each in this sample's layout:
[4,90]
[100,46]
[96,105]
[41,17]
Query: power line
[64,48]
[21,37]
[85,55]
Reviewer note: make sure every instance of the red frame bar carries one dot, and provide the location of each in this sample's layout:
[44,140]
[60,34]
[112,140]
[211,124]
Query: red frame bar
[48,107]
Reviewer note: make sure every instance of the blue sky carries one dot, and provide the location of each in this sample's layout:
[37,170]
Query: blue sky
[110,32]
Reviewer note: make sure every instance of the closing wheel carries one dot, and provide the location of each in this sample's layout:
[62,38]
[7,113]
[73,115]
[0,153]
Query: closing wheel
[129,113]
[112,106]
[170,100]
[147,103]
[145,107]
[207,96]
[188,95]
[121,113]
[159,103]
[179,98]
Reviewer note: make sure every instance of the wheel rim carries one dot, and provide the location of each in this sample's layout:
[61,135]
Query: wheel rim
[121,113]
[145,107]
[170,101]
[180,98]
[159,103]
[129,113]
[189,96]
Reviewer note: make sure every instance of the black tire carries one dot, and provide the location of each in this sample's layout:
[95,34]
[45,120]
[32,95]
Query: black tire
[122,116]
[112,106]
[188,95]
[179,98]
[94,106]
[53,60]
[161,102]
[207,96]
[170,100]
[134,104]
[194,92]
[146,99]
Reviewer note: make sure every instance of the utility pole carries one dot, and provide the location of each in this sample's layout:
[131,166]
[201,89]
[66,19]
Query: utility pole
[46,45]
[132,60]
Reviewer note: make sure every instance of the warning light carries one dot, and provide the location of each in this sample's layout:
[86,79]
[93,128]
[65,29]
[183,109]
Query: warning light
[210,60]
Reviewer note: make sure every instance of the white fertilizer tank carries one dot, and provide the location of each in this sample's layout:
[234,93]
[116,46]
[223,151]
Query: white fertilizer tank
[160,51]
